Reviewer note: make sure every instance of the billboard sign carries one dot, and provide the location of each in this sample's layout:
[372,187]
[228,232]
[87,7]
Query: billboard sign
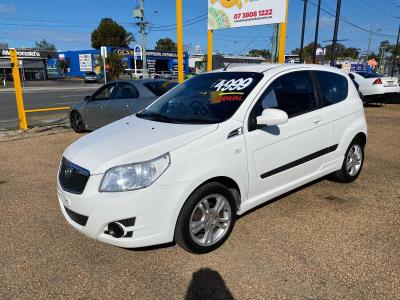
[103,51]
[239,13]
[85,62]
[138,52]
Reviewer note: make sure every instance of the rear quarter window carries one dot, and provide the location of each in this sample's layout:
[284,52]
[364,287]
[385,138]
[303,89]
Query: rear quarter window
[334,87]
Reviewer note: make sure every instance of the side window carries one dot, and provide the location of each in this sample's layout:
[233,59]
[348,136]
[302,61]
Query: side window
[293,93]
[126,91]
[334,87]
[104,93]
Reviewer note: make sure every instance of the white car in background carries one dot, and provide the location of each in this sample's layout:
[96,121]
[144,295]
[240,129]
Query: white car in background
[374,87]
[210,149]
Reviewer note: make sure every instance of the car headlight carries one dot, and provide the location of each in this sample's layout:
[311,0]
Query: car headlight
[134,176]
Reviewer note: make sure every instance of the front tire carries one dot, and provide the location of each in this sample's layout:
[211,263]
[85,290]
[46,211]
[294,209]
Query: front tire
[352,163]
[207,219]
[77,123]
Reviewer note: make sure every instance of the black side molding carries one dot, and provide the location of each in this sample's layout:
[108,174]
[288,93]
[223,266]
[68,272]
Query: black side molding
[299,161]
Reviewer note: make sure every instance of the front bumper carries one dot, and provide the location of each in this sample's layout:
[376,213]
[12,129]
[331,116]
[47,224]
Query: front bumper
[155,209]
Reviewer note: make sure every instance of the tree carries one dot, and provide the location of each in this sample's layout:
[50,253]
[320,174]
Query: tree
[116,66]
[351,52]
[260,53]
[307,51]
[166,44]
[45,45]
[340,51]
[110,33]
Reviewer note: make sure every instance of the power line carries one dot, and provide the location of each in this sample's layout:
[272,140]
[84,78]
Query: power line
[185,25]
[184,22]
[346,21]
[377,9]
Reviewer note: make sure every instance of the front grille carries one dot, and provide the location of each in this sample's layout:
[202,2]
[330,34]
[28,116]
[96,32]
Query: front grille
[72,178]
[77,218]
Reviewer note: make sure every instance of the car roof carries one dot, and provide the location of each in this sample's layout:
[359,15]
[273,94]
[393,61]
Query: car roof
[141,81]
[261,68]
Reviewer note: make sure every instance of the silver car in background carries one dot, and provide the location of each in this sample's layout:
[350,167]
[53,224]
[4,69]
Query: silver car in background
[116,100]
[91,77]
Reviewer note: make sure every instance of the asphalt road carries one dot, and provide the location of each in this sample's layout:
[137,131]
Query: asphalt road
[324,241]
[59,94]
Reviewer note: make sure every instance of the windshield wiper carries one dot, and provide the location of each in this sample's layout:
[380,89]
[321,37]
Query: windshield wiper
[155,117]
[200,121]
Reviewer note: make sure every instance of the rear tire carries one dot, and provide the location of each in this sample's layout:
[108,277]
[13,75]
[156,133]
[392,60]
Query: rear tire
[206,219]
[352,163]
[77,123]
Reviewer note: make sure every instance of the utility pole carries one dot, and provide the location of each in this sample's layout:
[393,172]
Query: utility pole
[369,43]
[335,33]
[303,27]
[395,52]
[139,13]
[316,33]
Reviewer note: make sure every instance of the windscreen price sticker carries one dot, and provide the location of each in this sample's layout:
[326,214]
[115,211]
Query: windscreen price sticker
[233,84]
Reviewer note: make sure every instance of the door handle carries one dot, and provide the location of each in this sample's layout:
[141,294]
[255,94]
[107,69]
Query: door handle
[318,119]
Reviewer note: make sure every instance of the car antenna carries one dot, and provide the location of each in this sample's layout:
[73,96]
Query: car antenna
[226,67]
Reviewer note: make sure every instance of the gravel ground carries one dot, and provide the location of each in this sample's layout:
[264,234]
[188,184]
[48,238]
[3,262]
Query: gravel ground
[324,241]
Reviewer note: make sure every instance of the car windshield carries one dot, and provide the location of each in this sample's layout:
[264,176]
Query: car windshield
[206,98]
[369,75]
[90,73]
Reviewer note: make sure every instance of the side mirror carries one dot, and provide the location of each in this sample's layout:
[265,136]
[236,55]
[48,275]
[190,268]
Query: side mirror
[87,98]
[272,117]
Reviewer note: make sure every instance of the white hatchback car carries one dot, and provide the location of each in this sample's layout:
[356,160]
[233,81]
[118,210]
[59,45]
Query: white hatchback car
[210,149]
[374,86]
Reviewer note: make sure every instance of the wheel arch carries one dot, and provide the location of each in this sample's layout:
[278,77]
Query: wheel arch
[230,184]
[362,136]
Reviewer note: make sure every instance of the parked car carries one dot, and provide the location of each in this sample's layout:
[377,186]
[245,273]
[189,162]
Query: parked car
[91,77]
[375,87]
[114,101]
[214,147]
[137,75]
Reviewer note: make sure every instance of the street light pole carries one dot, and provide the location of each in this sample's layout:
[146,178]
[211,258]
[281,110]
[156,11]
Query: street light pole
[303,27]
[316,32]
[144,40]
[335,33]
[395,52]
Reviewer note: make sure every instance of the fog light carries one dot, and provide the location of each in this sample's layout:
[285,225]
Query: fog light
[116,230]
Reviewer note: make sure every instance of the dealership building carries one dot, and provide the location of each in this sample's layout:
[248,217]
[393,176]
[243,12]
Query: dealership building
[81,61]
[33,64]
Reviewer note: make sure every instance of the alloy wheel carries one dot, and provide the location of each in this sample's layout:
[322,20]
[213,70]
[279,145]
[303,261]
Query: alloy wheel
[210,220]
[354,160]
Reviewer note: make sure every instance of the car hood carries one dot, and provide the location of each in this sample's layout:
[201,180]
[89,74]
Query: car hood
[131,140]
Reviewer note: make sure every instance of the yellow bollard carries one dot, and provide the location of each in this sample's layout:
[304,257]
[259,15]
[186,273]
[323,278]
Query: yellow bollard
[18,89]
[210,51]
[179,31]
[282,37]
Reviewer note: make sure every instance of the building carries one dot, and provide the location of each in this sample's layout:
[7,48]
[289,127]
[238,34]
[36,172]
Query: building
[82,61]
[32,63]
